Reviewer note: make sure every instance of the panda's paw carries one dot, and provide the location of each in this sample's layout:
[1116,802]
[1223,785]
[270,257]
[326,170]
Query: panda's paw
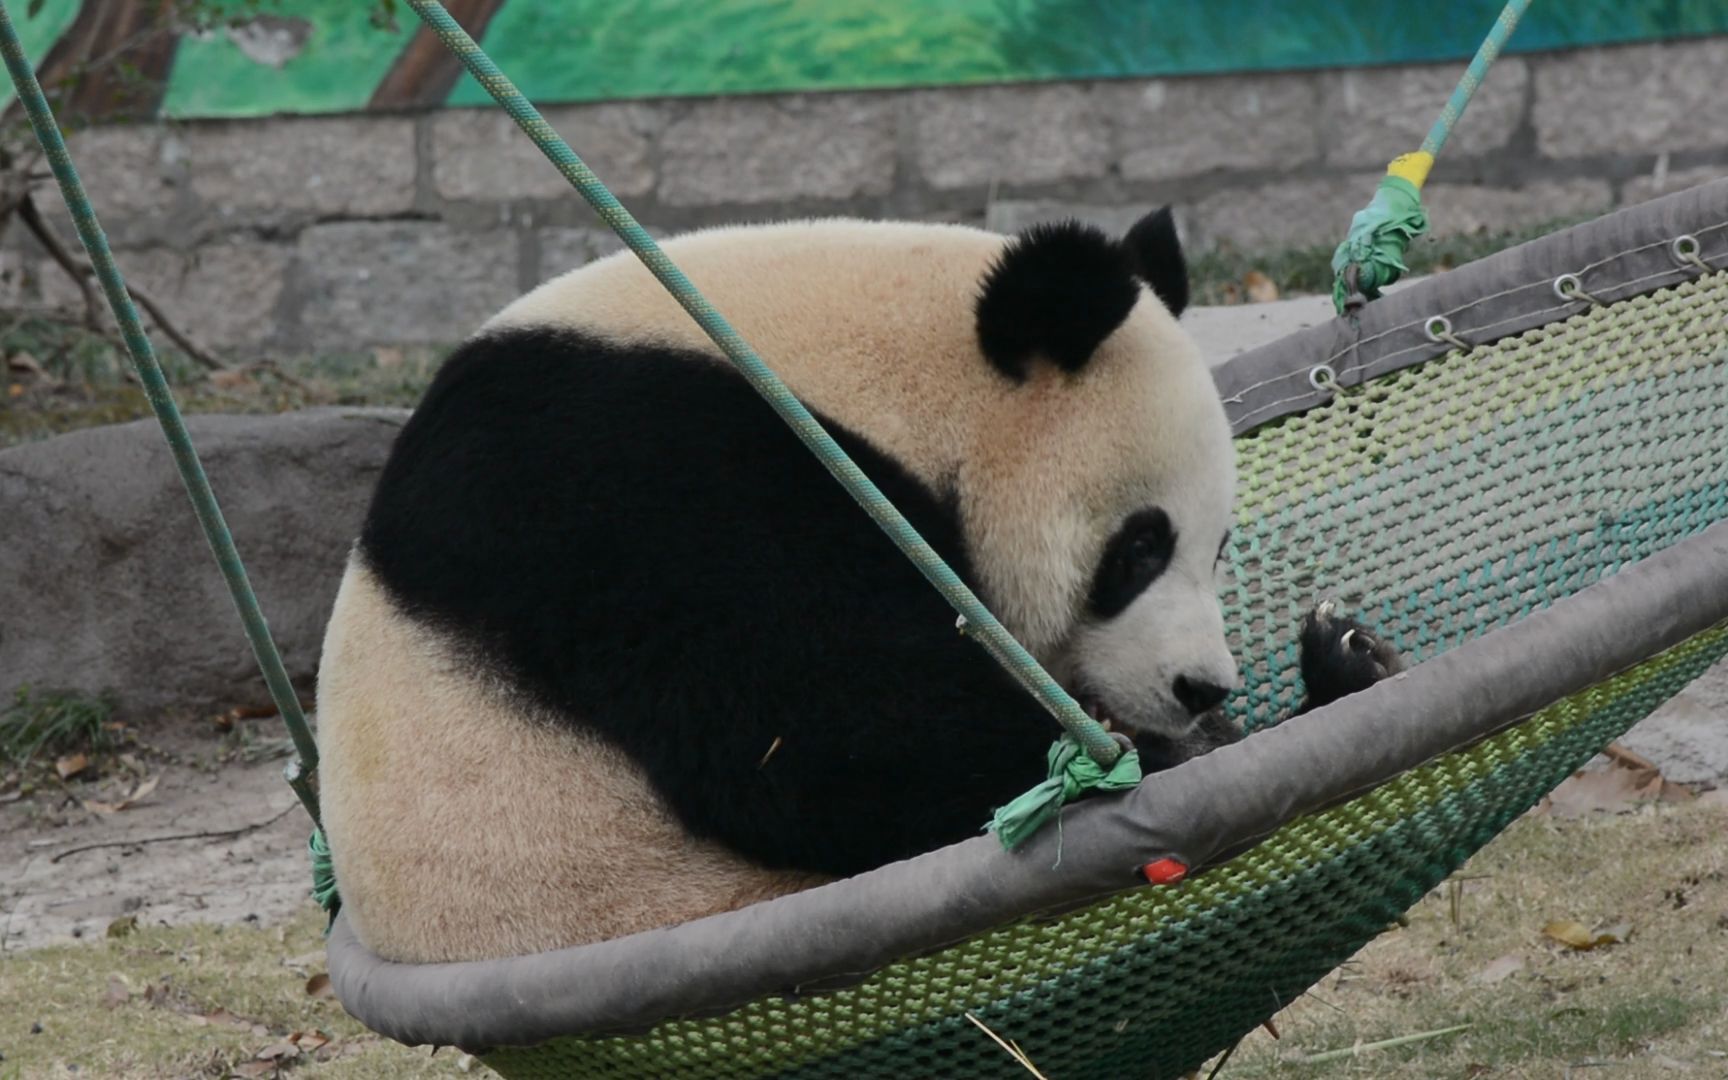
[1340,656]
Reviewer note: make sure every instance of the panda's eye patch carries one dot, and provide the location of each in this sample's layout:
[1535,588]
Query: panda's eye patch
[1133,559]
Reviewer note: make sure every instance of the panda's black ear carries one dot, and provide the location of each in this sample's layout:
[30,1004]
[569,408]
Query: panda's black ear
[1056,291]
[1156,254]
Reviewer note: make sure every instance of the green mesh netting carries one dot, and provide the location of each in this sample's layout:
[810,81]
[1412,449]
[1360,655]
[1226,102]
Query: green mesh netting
[1441,501]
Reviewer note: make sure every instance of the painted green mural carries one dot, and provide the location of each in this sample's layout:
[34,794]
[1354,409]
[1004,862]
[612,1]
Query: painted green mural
[330,55]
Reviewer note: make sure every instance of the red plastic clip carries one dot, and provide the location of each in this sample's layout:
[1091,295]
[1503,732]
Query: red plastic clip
[1165,871]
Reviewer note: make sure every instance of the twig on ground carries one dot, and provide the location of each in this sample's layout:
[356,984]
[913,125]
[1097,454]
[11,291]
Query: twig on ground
[1383,1044]
[225,834]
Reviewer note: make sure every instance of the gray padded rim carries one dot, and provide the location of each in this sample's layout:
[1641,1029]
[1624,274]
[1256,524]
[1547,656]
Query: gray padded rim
[1624,254]
[1199,813]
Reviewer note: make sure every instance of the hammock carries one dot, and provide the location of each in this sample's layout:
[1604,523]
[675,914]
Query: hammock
[1522,460]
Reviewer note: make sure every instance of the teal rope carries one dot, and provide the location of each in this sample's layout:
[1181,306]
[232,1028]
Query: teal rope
[162,403]
[1474,74]
[1372,254]
[978,621]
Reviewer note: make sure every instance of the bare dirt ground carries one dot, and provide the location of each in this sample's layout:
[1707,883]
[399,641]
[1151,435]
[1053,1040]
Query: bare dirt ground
[205,782]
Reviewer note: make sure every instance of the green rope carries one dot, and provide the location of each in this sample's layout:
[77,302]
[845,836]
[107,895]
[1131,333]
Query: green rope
[162,403]
[1380,233]
[1372,254]
[323,876]
[1071,773]
[977,620]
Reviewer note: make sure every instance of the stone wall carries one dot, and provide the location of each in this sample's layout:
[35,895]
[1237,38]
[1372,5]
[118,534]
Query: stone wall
[336,233]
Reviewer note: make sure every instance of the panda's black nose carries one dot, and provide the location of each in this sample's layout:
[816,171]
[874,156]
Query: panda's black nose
[1198,695]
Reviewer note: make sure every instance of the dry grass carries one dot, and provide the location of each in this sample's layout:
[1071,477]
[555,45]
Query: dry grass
[1656,1005]
[188,1002]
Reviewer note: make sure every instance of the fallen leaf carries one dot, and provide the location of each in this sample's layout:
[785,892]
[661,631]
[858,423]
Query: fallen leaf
[318,986]
[122,926]
[1573,935]
[223,1018]
[22,363]
[1716,797]
[1569,933]
[1260,288]
[139,794]
[254,1068]
[71,765]
[1628,758]
[1499,970]
[309,1042]
[282,1051]
[118,993]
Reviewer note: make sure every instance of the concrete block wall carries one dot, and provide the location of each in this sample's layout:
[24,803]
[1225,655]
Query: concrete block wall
[338,233]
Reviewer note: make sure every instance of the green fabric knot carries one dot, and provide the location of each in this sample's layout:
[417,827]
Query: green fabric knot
[1072,774]
[323,877]
[1379,234]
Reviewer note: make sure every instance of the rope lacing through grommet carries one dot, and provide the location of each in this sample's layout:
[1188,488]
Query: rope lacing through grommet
[1686,250]
[1568,287]
[1439,329]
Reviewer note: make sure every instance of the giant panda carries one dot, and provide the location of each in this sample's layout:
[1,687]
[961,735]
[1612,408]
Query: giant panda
[614,651]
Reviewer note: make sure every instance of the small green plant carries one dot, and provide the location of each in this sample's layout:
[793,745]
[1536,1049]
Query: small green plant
[54,723]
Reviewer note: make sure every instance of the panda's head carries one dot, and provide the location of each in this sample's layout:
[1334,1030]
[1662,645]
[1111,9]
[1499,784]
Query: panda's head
[1037,384]
[1097,496]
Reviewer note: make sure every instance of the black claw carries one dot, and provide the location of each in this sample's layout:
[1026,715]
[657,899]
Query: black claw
[1340,657]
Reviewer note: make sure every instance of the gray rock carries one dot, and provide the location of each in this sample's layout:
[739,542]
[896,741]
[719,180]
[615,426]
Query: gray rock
[401,282]
[482,154]
[753,150]
[1169,128]
[108,584]
[1632,99]
[1688,736]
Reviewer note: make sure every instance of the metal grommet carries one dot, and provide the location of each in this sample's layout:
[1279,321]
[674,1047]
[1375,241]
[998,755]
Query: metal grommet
[1568,287]
[1439,330]
[1322,377]
[1686,250]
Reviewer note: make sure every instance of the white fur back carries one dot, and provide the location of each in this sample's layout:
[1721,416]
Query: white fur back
[464,827]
